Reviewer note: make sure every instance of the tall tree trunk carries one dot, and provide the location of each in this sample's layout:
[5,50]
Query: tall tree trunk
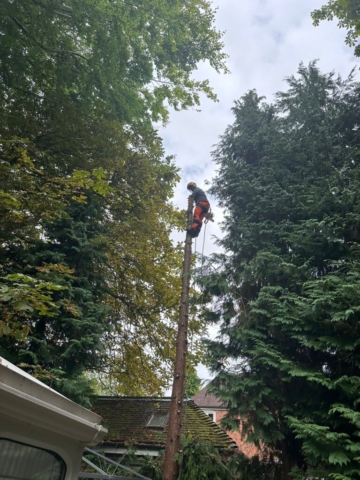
[286,462]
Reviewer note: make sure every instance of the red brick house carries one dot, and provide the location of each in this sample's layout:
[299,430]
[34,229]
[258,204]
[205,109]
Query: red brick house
[216,410]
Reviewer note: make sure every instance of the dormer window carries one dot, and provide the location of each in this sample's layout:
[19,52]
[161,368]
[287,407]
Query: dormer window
[157,421]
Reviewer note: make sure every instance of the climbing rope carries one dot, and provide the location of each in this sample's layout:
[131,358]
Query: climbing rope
[202,253]
[209,217]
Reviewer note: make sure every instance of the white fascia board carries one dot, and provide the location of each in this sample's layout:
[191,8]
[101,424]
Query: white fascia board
[32,402]
[22,381]
[21,373]
[18,405]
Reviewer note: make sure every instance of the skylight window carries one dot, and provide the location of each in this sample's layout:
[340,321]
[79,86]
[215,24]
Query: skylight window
[157,421]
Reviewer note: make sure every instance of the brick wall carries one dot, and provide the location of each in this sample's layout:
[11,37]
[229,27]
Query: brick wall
[247,449]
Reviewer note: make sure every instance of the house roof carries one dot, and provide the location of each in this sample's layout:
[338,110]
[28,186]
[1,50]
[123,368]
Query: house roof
[205,399]
[126,419]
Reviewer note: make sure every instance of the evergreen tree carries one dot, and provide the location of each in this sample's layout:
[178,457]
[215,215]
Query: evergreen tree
[64,343]
[286,290]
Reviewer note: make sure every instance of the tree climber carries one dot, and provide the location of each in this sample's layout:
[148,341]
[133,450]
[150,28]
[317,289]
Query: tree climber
[201,209]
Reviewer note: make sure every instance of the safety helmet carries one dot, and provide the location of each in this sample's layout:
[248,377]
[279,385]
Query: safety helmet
[191,185]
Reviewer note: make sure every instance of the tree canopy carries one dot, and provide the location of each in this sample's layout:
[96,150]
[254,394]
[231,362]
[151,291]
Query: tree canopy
[348,14]
[88,271]
[285,292]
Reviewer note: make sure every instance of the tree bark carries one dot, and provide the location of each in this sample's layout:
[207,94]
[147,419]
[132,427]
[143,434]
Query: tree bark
[173,446]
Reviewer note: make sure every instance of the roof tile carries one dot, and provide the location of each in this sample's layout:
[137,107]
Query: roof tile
[126,419]
[206,399]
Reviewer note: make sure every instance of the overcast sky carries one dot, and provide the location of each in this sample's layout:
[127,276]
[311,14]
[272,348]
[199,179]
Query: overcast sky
[265,40]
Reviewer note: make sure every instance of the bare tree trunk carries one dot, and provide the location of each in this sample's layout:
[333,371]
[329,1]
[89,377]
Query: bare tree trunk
[171,467]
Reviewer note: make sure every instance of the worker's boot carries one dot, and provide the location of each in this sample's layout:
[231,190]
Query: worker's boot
[196,232]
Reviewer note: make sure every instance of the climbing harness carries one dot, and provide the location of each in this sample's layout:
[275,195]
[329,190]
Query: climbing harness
[203,207]
[209,217]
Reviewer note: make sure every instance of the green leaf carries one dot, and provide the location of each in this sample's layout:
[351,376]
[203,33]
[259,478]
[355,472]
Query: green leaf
[338,458]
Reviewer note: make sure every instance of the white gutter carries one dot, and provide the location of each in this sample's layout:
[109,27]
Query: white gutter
[26,399]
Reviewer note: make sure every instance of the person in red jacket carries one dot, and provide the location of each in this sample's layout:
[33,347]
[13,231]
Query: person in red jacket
[201,209]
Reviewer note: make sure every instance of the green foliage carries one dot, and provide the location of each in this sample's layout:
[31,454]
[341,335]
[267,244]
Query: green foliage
[348,14]
[286,290]
[89,278]
[201,460]
[192,384]
[65,332]
[125,60]
[153,467]
[22,295]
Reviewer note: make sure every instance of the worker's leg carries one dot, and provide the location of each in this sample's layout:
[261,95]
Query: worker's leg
[201,210]
[195,228]
[199,213]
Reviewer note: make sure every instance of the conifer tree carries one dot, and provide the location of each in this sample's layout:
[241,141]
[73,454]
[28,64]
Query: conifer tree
[286,288]
[64,343]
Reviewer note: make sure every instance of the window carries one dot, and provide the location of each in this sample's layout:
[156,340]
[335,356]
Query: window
[157,421]
[210,413]
[19,461]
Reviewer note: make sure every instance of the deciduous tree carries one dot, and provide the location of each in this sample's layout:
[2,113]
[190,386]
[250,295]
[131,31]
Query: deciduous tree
[348,14]
[85,188]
